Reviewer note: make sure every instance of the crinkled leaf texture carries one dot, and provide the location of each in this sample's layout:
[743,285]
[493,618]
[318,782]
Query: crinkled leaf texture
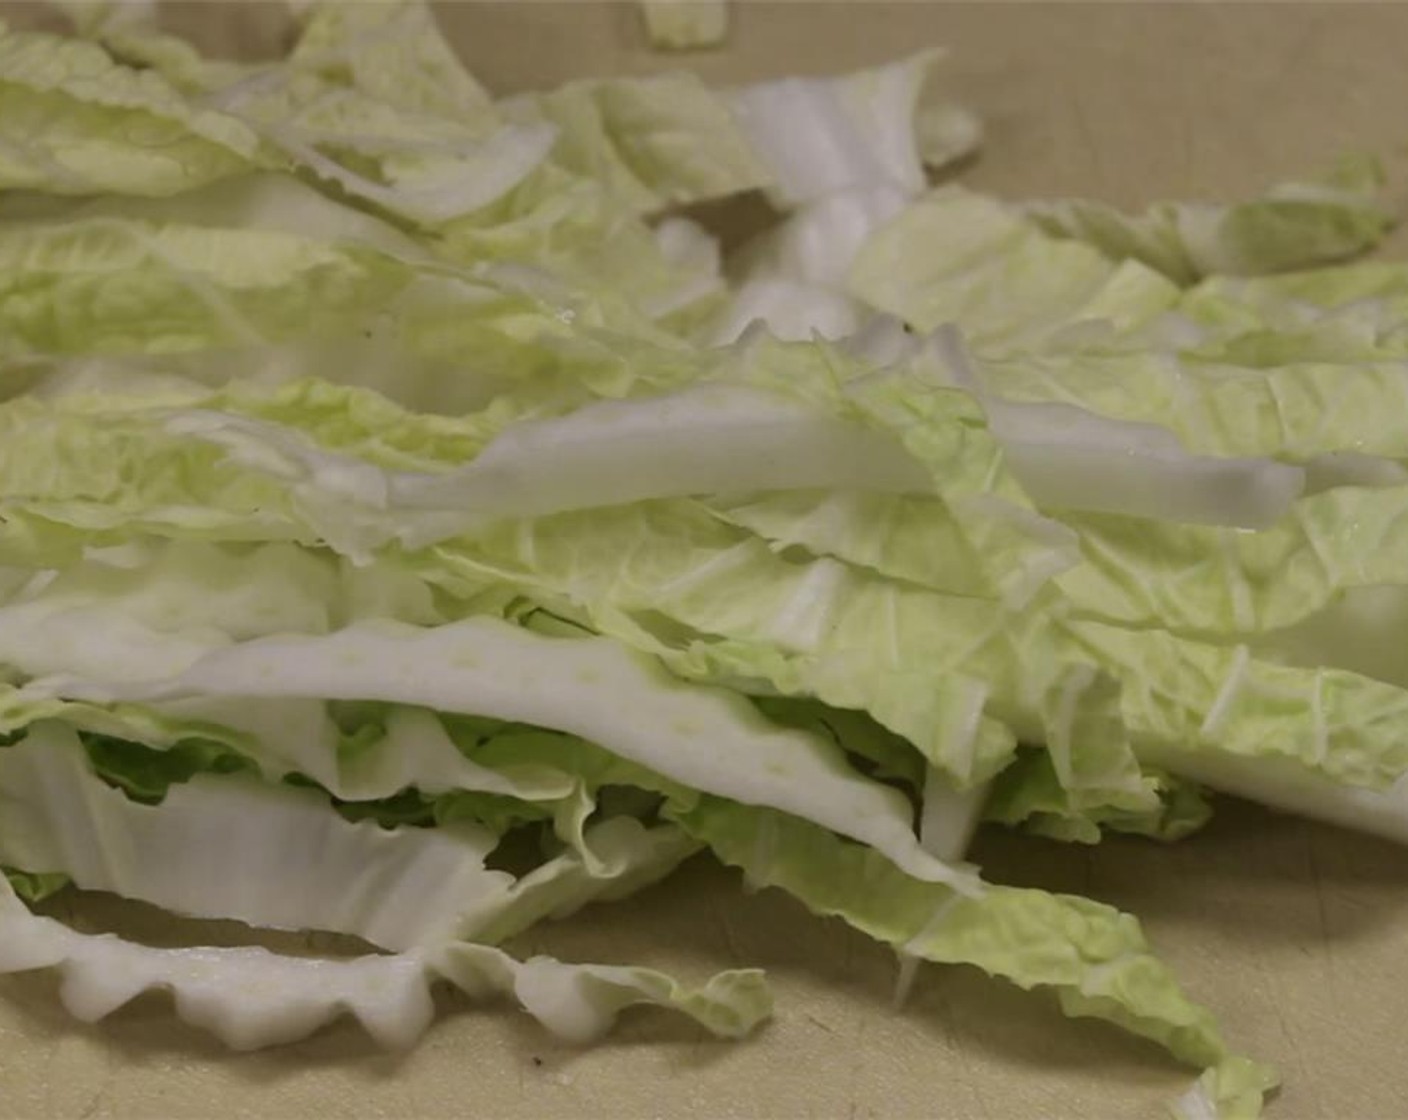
[707,739]
[75,122]
[250,997]
[1093,957]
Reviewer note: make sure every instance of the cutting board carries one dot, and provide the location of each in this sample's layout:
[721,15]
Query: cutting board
[1294,933]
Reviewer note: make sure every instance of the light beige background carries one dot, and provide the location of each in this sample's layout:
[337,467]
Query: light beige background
[1296,935]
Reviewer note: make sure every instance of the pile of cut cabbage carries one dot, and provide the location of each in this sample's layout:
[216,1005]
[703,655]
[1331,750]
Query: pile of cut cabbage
[393,477]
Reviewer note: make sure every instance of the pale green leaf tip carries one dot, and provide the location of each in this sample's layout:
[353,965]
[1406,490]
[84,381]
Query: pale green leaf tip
[679,25]
[1234,1089]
